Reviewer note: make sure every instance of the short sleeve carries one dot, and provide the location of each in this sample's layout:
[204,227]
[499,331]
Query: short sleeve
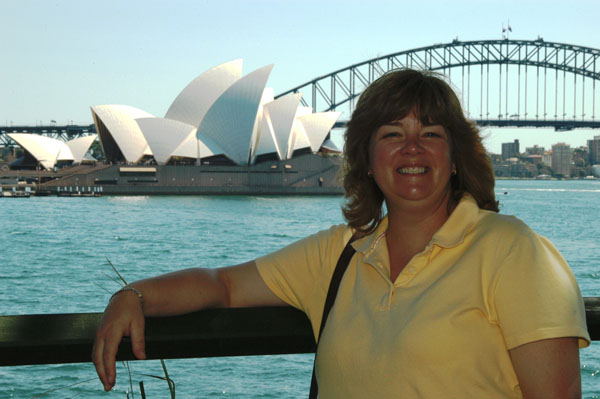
[299,274]
[536,295]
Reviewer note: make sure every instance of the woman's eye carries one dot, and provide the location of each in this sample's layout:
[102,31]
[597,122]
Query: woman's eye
[432,134]
[390,134]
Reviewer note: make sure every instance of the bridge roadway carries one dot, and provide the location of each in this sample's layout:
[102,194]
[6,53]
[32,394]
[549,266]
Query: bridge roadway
[70,132]
[558,125]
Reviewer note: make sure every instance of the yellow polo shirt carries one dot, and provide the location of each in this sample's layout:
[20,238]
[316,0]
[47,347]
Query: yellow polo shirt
[485,284]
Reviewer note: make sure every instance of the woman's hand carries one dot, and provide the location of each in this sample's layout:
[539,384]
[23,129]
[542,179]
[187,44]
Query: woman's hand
[174,293]
[123,316]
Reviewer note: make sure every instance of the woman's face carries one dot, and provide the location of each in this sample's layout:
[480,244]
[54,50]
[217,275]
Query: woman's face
[411,163]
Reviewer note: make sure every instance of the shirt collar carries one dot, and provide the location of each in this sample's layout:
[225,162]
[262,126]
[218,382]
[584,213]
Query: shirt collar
[451,234]
[453,231]
[367,244]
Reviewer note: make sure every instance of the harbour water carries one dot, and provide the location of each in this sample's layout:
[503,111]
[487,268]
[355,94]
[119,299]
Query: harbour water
[53,260]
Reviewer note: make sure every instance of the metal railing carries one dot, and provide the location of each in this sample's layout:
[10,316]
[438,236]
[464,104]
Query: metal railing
[68,338]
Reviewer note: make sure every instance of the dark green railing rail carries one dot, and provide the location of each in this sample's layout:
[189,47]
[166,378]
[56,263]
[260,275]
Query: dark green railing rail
[68,338]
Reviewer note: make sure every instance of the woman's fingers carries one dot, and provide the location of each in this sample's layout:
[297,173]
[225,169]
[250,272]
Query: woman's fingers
[104,355]
[109,355]
[120,319]
[98,361]
[138,344]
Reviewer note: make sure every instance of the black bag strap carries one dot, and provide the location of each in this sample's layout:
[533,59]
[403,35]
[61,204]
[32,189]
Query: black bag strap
[334,285]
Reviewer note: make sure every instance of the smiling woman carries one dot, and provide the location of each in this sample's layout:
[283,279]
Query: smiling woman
[440,297]
[409,97]
[411,164]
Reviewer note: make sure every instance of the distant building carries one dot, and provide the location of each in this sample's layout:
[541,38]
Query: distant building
[534,158]
[561,159]
[594,150]
[535,150]
[547,158]
[510,150]
[515,168]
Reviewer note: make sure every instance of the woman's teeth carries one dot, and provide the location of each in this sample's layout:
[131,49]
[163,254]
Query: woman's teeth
[414,170]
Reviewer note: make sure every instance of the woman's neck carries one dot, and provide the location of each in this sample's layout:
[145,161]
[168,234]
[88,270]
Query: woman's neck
[410,231]
[405,221]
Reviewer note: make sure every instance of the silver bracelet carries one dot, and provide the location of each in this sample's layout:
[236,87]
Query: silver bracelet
[133,289]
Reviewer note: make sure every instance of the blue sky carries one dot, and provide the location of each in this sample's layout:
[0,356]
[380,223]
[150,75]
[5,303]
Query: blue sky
[59,57]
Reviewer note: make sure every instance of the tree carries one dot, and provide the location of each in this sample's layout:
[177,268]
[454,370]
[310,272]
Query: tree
[96,151]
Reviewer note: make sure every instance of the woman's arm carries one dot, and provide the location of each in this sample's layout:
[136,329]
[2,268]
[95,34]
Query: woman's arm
[170,294]
[548,368]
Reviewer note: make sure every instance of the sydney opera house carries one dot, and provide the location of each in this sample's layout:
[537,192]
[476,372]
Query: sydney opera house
[223,133]
[47,152]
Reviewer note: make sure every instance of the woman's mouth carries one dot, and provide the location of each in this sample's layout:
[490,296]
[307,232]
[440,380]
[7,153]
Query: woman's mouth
[413,170]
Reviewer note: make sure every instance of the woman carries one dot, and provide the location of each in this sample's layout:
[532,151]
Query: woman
[443,298]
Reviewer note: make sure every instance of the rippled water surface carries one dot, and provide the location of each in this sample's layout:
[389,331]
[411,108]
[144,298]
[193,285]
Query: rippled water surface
[54,254]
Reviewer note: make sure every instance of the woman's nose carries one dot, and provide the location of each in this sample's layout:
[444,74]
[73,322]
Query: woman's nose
[412,144]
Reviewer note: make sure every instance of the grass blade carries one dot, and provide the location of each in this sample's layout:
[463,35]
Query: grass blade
[116,271]
[169,380]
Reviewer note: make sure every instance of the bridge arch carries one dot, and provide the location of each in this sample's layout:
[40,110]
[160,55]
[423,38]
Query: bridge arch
[528,82]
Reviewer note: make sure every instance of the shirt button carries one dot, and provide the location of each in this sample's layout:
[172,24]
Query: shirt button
[411,270]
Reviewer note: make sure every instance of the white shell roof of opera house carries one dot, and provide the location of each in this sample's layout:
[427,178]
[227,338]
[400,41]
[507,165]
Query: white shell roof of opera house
[220,112]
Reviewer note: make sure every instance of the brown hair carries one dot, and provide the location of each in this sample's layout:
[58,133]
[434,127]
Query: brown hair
[393,96]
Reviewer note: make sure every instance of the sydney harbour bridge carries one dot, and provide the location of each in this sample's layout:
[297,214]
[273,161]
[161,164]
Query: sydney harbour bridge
[503,83]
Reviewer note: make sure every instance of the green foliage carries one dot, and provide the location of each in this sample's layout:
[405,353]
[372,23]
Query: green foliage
[96,151]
